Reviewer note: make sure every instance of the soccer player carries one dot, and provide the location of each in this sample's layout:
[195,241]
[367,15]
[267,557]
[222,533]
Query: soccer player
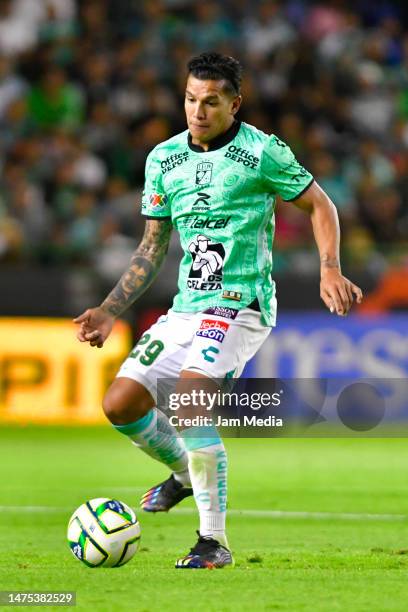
[216,184]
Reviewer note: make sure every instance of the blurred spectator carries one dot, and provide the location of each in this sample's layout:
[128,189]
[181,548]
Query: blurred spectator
[55,102]
[114,251]
[368,164]
[82,232]
[97,77]
[360,254]
[380,211]
[89,171]
[12,86]
[18,30]
[102,132]
[372,108]
[211,27]
[267,30]
[59,21]
[25,220]
[329,176]
[15,125]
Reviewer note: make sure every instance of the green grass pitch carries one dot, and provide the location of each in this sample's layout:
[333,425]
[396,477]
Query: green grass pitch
[340,541]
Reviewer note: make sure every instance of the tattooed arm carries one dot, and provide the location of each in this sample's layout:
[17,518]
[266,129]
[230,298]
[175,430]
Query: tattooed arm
[143,269]
[336,291]
[96,323]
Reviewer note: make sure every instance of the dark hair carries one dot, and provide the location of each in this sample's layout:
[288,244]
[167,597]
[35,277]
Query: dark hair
[214,66]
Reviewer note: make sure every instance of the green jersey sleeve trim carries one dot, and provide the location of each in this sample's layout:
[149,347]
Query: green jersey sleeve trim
[300,192]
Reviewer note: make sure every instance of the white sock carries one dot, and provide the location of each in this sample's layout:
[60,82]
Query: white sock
[154,435]
[208,473]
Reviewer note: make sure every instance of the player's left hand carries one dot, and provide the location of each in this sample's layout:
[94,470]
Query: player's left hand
[95,325]
[338,292]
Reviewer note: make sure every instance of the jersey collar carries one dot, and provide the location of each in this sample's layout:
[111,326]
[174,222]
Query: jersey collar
[218,142]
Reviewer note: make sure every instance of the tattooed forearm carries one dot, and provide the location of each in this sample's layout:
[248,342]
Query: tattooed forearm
[329,262]
[132,284]
[143,268]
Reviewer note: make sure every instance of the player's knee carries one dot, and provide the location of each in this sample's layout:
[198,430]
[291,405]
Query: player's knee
[122,406]
[114,406]
[119,409]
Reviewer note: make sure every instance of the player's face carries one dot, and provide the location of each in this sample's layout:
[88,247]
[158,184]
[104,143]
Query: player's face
[210,109]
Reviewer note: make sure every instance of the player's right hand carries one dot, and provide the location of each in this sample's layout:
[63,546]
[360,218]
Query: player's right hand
[95,325]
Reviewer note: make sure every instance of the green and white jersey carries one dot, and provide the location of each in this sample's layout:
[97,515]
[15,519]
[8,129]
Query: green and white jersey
[222,204]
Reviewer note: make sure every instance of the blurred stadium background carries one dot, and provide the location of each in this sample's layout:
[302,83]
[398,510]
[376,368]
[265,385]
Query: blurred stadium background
[88,88]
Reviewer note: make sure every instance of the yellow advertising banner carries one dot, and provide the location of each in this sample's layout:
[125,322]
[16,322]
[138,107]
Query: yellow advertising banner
[48,376]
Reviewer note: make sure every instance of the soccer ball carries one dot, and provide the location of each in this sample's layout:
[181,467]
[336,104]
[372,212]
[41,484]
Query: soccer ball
[103,532]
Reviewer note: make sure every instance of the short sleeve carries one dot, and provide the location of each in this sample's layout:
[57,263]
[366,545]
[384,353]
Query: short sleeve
[282,172]
[155,202]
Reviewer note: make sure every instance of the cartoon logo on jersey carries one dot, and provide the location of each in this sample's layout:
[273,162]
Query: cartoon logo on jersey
[204,173]
[213,329]
[157,200]
[206,269]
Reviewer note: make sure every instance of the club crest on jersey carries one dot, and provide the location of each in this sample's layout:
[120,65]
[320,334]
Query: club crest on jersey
[207,267]
[204,173]
[213,329]
[157,200]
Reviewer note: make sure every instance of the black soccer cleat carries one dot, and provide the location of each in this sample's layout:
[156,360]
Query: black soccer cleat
[206,554]
[165,495]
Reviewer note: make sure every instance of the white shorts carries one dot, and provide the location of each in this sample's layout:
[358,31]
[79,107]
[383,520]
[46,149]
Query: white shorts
[214,345]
